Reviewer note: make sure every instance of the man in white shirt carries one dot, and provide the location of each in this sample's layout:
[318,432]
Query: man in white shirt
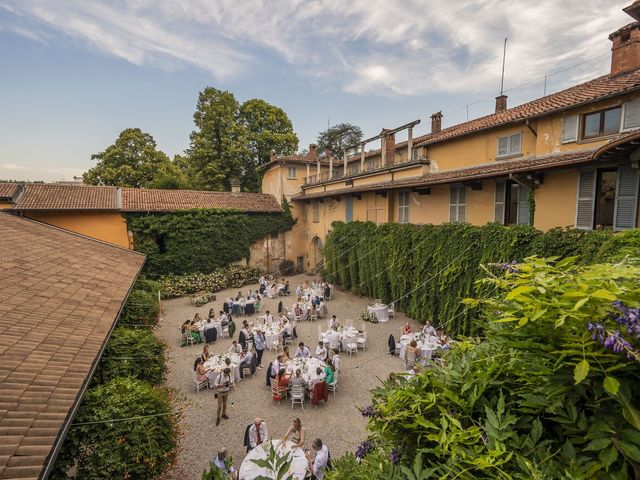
[336,359]
[246,359]
[428,329]
[302,351]
[235,347]
[318,465]
[258,433]
[268,318]
[334,339]
[220,463]
[321,352]
[315,377]
[333,321]
[275,366]
[223,319]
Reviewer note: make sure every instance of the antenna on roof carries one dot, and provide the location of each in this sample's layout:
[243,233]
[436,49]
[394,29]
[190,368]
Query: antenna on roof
[504,56]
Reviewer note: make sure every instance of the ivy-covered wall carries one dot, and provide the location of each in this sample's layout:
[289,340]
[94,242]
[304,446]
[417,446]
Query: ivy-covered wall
[200,240]
[428,269]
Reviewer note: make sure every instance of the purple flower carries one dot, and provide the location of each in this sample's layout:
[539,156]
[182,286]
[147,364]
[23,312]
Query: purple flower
[368,411]
[395,455]
[510,267]
[628,322]
[363,449]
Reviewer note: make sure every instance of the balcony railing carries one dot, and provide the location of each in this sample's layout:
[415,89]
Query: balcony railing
[356,169]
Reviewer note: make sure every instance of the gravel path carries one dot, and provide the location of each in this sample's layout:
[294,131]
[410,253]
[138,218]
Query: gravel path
[338,422]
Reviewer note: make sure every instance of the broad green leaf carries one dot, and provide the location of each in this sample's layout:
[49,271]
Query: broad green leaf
[580,303]
[631,415]
[611,385]
[604,294]
[598,444]
[608,456]
[581,371]
[519,291]
[630,451]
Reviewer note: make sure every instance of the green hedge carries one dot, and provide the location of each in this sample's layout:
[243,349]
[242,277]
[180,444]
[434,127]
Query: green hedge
[200,240]
[233,276]
[393,261]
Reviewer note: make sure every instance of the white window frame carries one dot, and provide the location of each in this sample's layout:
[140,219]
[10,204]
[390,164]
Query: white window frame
[295,173]
[565,123]
[404,198]
[625,106]
[458,205]
[510,149]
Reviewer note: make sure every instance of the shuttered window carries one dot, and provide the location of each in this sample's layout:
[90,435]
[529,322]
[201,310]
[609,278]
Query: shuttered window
[458,204]
[570,129]
[498,211]
[403,207]
[316,211]
[523,214]
[585,199]
[509,145]
[349,209]
[631,115]
[626,198]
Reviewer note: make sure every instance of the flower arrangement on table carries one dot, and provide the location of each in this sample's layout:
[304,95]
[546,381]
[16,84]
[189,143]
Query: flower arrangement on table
[366,316]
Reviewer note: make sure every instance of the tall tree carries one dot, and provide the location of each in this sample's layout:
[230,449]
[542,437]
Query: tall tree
[132,161]
[219,145]
[268,130]
[339,138]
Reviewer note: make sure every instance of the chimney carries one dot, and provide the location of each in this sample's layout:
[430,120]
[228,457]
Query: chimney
[388,147]
[625,51]
[236,186]
[501,103]
[436,122]
[313,152]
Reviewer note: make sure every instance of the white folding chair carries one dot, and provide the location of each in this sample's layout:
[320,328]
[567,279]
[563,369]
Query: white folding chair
[245,369]
[225,332]
[313,316]
[361,341]
[277,394]
[297,395]
[332,387]
[186,336]
[352,348]
[392,310]
[198,385]
[378,301]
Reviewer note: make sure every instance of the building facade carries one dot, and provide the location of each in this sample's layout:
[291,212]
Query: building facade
[571,157]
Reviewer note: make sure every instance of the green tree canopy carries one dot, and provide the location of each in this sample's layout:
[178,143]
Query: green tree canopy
[268,130]
[339,138]
[132,161]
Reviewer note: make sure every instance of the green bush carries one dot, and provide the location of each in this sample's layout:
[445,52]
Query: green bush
[542,396]
[619,246]
[233,276]
[141,308]
[138,448]
[202,241]
[287,267]
[136,353]
[428,269]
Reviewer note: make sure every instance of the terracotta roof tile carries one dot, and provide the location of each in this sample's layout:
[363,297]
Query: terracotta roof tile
[476,172]
[8,190]
[591,91]
[49,196]
[151,200]
[47,353]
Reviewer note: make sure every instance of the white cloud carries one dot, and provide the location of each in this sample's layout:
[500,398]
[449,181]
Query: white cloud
[406,47]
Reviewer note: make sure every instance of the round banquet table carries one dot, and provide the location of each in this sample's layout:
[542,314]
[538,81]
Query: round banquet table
[426,344]
[271,333]
[216,364]
[249,470]
[202,324]
[347,335]
[380,311]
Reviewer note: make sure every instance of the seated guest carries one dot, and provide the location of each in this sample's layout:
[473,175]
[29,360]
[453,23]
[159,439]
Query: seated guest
[238,296]
[220,462]
[285,354]
[321,352]
[411,354]
[406,329]
[428,329]
[258,433]
[318,464]
[444,340]
[229,302]
[298,379]
[302,351]
[189,328]
[295,434]
[283,317]
[246,360]
[317,301]
[334,338]
[235,347]
[315,377]
[297,310]
[335,359]
[333,321]
[211,313]
[201,372]
[329,372]
[196,317]
[282,380]
[205,354]
[288,330]
[275,366]
[223,319]
[299,291]
[185,326]
[268,318]
[209,325]
[273,291]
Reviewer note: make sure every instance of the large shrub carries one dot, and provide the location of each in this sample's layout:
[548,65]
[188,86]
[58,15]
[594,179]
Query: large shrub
[428,269]
[620,246]
[136,353]
[116,448]
[549,393]
[141,308]
[233,276]
[193,241]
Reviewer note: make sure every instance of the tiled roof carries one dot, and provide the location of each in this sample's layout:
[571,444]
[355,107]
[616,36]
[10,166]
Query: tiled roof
[476,172]
[591,91]
[8,190]
[60,294]
[47,196]
[148,200]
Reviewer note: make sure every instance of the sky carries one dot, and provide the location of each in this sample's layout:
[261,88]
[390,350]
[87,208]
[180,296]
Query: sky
[75,73]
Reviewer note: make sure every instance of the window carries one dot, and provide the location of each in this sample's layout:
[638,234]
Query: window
[458,204]
[604,122]
[349,209]
[403,207]
[570,128]
[631,115]
[292,173]
[300,264]
[605,197]
[316,211]
[511,203]
[509,145]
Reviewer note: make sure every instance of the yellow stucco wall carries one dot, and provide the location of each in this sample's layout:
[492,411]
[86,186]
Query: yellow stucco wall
[556,200]
[106,226]
[5,205]
[480,203]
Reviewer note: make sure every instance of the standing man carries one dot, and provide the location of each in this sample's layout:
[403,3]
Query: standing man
[224,384]
[258,433]
[318,464]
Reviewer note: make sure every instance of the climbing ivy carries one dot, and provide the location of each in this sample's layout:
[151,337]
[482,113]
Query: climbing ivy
[428,269]
[200,240]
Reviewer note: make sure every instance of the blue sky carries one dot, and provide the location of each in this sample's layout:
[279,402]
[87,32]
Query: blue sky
[74,73]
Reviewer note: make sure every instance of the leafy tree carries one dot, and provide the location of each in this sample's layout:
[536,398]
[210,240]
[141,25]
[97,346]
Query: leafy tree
[339,138]
[268,130]
[219,148]
[132,161]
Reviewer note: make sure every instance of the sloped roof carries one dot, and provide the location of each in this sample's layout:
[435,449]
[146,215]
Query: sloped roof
[8,190]
[47,196]
[476,172]
[60,294]
[151,200]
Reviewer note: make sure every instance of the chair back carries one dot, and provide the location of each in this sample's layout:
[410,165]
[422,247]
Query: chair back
[297,391]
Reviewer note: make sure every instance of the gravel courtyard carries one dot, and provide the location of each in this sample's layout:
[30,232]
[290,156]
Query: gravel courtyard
[338,422]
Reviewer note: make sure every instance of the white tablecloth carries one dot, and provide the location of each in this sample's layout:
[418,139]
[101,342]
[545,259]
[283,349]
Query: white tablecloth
[271,333]
[216,364]
[426,344]
[380,311]
[249,470]
[203,324]
[347,335]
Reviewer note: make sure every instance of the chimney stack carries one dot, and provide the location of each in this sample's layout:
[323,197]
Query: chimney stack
[313,152]
[236,186]
[501,103]
[436,122]
[625,51]
[388,147]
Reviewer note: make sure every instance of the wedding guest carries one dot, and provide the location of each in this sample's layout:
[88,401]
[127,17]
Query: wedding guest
[316,377]
[335,359]
[298,379]
[318,464]
[406,329]
[329,372]
[285,354]
[224,384]
[428,329]
[302,351]
[295,434]
[220,462]
[321,352]
[258,433]
[201,373]
[205,354]
[235,347]
[259,342]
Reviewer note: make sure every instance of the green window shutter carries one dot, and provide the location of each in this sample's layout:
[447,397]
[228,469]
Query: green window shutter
[523,205]
[498,211]
[585,201]
[624,216]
